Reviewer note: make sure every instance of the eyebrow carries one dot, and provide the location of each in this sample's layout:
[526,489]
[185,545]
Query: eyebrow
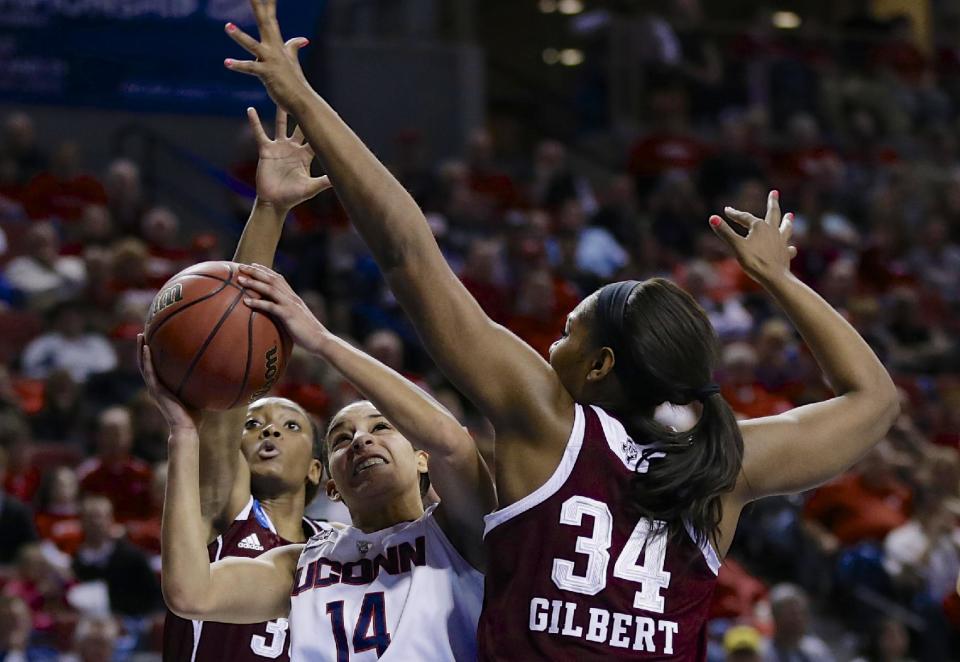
[342,423]
[252,414]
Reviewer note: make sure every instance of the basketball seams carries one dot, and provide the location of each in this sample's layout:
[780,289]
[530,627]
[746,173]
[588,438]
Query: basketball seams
[153,329]
[206,343]
[246,370]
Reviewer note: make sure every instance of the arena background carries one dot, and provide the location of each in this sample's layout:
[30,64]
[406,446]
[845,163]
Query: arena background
[555,145]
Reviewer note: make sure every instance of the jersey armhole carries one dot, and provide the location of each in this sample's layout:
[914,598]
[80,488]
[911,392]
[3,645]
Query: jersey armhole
[553,484]
[432,522]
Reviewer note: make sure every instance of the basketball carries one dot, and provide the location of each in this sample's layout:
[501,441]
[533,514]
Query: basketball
[209,348]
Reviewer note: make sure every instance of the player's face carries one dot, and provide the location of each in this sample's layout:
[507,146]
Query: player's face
[570,354]
[278,445]
[369,458]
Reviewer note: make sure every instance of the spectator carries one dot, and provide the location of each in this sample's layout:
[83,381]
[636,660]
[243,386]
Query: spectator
[44,276]
[105,556]
[729,317]
[16,522]
[791,617]
[486,179]
[57,509]
[95,640]
[889,642]
[125,198]
[62,191]
[540,313]
[22,477]
[16,626]
[96,230]
[64,414]
[68,346]
[742,389]
[742,643]
[160,229]
[862,505]
[20,144]
[114,472]
[596,253]
[43,587]
[483,276]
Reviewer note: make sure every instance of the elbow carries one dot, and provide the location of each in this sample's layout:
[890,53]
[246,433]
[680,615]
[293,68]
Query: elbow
[182,602]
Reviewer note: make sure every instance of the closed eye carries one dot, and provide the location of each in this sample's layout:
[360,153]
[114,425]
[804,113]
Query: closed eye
[381,426]
[339,439]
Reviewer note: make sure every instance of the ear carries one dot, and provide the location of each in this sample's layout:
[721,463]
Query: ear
[601,365]
[332,492]
[423,459]
[315,472]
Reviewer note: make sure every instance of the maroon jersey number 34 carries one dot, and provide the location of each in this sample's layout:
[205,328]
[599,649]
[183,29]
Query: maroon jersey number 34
[251,534]
[573,575]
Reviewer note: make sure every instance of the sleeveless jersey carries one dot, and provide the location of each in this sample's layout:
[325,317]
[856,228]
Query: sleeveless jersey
[572,575]
[251,534]
[399,594]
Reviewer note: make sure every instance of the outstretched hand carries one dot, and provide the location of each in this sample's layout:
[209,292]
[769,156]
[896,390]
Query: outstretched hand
[276,63]
[178,417]
[283,171]
[765,252]
[279,300]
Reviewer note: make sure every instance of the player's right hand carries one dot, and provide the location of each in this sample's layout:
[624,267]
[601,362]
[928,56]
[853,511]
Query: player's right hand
[279,300]
[179,419]
[276,63]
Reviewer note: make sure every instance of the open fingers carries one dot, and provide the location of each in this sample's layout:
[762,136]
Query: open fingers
[257,126]
[786,226]
[246,42]
[265,11]
[297,136]
[243,66]
[294,45]
[742,218]
[281,131]
[773,208]
[725,232]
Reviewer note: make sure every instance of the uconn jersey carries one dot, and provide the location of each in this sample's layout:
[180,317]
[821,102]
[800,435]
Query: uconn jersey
[396,595]
[251,534]
[573,574]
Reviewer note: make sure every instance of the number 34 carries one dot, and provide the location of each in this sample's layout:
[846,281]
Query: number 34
[649,573]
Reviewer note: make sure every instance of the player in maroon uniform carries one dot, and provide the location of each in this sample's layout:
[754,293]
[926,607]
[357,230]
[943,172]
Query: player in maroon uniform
[612,525]
[259,467]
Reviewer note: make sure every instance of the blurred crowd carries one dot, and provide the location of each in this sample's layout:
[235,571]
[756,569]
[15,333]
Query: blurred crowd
[862,138]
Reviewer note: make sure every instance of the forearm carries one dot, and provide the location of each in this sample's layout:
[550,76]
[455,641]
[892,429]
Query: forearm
[261,234]
[846,359]
[186,564]
[384,213]
[416,414]
[224,480]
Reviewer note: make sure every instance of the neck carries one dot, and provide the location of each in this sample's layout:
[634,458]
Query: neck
[392,510]
[286,513]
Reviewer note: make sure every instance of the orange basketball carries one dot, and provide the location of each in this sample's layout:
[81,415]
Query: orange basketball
[208,347]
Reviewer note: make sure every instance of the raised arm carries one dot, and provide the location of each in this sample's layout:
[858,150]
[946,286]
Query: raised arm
[807,446]
[506,379]
[283,181]
[192,586]
[457,471]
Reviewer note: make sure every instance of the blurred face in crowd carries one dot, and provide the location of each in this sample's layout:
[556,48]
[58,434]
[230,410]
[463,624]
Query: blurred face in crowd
[893,642]
[370,461]
[277,443]
[96,640]
[96,517]
[64,487]
[386,347]
[96,225]
[15,623]
[42,243]
[19,133]
[114,433]
[790,615]
[160,227]
[739,364]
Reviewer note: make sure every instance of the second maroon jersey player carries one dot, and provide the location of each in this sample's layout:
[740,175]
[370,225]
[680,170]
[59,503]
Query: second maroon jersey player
[595,556]
[251,534]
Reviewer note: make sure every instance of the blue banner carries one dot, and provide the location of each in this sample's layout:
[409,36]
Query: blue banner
[144,55]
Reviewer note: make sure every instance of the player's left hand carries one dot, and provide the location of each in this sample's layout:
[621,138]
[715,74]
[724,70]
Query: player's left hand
[283,171]
[765,252]
[178,417]
[276,65]
[279,300]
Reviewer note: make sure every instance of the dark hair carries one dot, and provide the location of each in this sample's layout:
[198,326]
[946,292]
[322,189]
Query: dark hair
[318,447]
[668,351]
[324,450]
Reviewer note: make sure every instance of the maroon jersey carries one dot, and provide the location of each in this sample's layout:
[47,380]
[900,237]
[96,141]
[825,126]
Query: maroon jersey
[251,534]
[573,575]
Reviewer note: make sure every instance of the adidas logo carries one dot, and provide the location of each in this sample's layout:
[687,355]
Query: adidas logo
[251,542]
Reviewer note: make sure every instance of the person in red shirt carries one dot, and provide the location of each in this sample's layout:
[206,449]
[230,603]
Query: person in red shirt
[21,478]
[63,191]
[485,179]
[57,510]
[540,314]
[741,388]
[862,505]
[479,276]
[114,472]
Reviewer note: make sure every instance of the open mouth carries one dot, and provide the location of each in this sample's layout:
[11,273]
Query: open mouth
[367,463]
[267,451]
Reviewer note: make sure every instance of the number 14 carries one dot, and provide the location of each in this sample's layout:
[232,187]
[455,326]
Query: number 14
[649,574]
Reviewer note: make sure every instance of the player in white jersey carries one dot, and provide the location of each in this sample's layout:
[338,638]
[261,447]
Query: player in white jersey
[403,582]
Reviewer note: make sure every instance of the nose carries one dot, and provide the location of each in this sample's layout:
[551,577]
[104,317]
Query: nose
[361,440]
[269,432]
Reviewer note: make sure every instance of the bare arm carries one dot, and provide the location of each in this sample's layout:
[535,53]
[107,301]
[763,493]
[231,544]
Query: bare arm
[507,380]
[283,181]
[457,471]
[807,446]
